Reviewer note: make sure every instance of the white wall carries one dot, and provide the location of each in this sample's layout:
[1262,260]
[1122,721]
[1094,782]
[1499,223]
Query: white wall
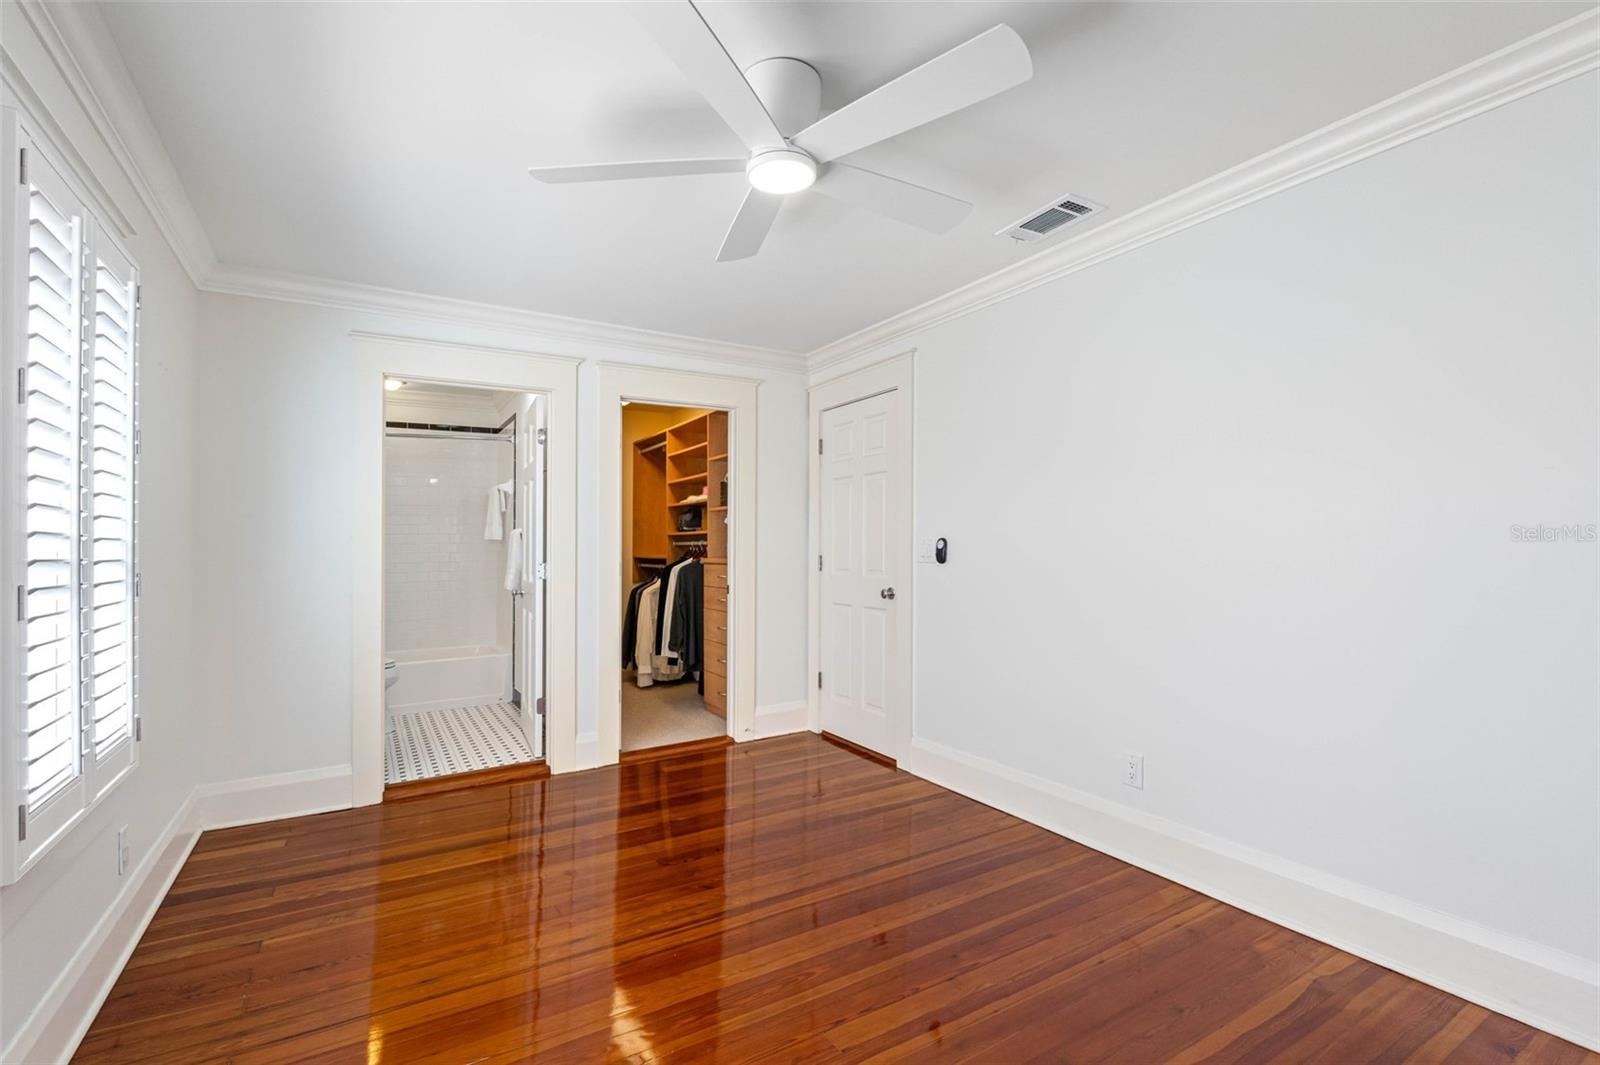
[1241,501]
[47,916]
[276,529]
[444,583]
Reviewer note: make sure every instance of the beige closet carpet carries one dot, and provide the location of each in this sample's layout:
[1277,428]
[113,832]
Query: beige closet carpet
[665,713]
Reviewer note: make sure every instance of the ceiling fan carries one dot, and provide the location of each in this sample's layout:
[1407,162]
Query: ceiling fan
[774,106]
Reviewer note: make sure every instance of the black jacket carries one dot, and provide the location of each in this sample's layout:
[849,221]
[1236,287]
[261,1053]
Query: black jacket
[630,624]
[688,617]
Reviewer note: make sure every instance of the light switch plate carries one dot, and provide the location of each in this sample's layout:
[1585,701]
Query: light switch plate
[925,549]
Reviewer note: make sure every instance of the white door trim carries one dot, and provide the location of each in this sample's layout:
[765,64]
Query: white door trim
[376,357]
[678,388]
[894,374]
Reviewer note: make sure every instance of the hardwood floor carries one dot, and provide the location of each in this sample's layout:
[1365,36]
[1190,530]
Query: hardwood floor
[779,901]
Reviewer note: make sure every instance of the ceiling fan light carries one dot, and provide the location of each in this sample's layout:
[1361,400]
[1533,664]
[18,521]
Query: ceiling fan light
[781,172]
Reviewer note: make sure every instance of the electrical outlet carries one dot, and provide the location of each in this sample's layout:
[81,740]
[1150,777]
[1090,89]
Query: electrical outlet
[1133,770]
[122,850]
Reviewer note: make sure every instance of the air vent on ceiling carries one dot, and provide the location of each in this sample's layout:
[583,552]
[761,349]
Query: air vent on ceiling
[1042,223]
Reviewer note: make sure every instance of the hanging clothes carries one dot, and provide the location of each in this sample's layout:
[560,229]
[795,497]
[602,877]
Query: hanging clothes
[630,625]
[644,661]
[665,577]
[686,640]
[639,629]
[669,610]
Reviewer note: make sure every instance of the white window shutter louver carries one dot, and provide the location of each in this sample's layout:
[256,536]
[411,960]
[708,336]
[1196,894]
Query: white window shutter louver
[107,594]
[51,489]
[72,715]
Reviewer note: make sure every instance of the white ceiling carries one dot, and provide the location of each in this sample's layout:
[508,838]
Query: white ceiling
[387,143]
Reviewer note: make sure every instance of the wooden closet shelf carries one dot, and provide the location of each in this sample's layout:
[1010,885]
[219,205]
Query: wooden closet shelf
[714,458]
[679,506]
[715,509]
[692,478]
[691,449]
[687,532]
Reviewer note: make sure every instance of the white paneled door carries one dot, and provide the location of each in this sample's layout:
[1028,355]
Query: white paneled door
[531,467]
[864,504]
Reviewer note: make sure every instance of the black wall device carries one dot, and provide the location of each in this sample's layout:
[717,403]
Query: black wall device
[941,550]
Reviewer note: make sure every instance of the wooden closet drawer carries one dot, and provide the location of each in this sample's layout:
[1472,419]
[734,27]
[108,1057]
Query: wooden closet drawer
[716,677]
[716,623]
[716,579]
[716,655]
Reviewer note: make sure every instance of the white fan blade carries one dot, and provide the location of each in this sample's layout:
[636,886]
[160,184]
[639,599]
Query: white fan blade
[683,34]
[990,63]
[556,175]
[750,225]
[911,204]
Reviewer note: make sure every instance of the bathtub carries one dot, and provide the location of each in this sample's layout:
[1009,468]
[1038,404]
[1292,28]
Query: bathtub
[441,677]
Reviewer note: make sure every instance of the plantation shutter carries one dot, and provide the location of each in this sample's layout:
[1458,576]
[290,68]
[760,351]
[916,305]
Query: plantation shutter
[107,595]
[51,751]
[71,725]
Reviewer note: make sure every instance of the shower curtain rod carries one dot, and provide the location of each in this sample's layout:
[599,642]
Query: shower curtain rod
[421,434]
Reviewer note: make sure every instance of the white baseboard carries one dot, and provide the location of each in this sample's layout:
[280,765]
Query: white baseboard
[57,1026]
[273,797]
[54,1030]
[1542,986]
[778,719]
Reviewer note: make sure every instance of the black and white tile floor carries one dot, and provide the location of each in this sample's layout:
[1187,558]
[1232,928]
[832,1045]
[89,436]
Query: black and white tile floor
[432,743]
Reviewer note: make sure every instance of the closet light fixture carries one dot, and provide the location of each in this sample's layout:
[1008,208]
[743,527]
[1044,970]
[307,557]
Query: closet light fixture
[393,384]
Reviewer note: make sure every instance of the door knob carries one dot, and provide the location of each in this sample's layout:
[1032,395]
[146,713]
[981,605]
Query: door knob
[887,593]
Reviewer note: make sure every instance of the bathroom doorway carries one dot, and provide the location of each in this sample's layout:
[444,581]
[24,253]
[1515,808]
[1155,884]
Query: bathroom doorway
[464,545]
[674,568]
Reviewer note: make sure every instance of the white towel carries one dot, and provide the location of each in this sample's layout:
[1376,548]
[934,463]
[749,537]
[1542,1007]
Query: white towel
[514,561]
[499,500]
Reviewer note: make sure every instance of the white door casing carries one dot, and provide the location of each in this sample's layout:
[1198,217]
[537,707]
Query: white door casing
[677,388]
[530,604]
[862,525]
[555,380]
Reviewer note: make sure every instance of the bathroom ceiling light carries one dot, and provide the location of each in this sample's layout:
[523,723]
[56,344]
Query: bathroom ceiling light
[393,384]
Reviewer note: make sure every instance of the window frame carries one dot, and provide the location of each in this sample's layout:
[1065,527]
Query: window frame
[98,772]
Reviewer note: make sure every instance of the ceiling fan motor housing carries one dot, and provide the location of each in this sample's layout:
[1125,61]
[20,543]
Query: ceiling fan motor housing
[790,90]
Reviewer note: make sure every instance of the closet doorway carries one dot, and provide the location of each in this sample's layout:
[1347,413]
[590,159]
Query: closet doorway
[675,513]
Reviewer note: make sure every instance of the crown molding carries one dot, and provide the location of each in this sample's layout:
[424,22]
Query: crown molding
[1564,51]
[591,337]
[79,45]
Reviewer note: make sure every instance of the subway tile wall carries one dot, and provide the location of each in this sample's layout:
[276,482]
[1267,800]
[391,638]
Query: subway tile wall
[443,581]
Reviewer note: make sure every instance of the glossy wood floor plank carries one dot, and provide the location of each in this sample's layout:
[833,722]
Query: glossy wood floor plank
[779,901]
